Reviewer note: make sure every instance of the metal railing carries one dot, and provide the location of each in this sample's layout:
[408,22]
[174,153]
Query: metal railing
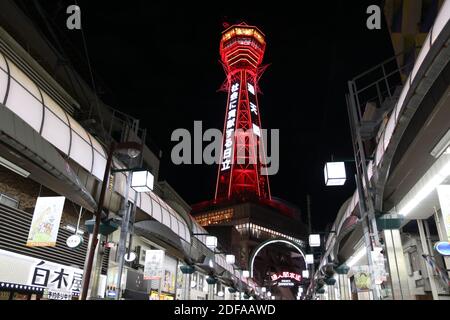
[378,84]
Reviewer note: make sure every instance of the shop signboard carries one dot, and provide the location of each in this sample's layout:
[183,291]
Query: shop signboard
[154,264]
[45,224]
[286,279]
[378,265]
[169,281]
[74,241]
[57,295]
[444,200]
[362,279]
[60,281]
[154,295]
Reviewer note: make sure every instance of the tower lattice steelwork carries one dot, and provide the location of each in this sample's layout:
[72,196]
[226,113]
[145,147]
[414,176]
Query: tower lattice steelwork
[241,172]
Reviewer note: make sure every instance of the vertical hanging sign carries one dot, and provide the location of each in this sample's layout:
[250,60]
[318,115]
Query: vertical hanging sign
[229,127]
[45,224]
[154,264]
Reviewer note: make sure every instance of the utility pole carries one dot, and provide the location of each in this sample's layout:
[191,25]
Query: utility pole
[308,209]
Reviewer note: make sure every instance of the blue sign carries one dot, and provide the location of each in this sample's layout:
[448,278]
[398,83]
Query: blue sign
[443,248]
[111,293]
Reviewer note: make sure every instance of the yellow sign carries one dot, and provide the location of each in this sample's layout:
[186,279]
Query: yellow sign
[154,296]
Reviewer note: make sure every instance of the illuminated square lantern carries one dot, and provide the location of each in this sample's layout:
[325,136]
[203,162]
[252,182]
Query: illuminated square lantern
[245,273]
[230,258]
[142,181]
[314,240]
[211,242]
[305,274]
[334,173]
[309,259]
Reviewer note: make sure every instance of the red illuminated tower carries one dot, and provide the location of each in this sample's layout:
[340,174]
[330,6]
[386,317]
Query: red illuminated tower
[241,167]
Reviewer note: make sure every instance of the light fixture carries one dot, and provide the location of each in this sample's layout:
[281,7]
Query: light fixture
[263,289]
[356,257]
[211,242]
[269,294]
[305,274]
[13,167]
[245,273]
[230,258]
[427,188]
[210,263]
[130,257]
[443,248]
[133,153]
[314,240]
[142,181]
[334,173]
[309,259]
[443,146]
[73,229]
[220,294]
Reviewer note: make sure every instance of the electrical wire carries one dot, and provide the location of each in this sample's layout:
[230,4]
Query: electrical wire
[86,51]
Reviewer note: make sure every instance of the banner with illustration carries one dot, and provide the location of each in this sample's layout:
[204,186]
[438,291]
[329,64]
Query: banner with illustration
[45,224]
[154,264]
[362,279]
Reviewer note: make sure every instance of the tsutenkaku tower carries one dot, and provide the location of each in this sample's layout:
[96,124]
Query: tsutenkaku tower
[241,169]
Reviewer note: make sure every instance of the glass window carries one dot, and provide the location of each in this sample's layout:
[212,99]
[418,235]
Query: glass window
[120,182]
[146,204]
[175,226]
[56,132]
[3,80]
[79,129]
[8,201]
[165,218]
[25,105]
[182,230]
[24,80]
[98,169]
[97,146]
[156,213]
[55,108]
[81,152]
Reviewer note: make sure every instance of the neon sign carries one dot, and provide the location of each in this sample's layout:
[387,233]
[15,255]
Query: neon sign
[286,275]
[229,129]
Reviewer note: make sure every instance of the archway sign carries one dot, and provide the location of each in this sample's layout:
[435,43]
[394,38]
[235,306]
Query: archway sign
[269,242]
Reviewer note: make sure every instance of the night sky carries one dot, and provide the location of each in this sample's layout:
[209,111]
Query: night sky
[159,62]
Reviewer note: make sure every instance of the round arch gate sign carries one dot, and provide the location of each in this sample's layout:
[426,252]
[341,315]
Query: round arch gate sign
[296,246]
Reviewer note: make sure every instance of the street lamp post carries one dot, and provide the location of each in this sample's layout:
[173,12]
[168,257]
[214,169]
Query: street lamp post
[315,241]
[88,270]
